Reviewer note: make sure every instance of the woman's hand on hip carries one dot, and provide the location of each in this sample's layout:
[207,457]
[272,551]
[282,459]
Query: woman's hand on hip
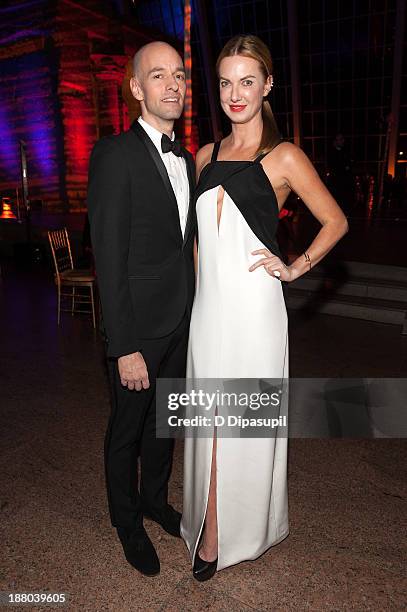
[273,266]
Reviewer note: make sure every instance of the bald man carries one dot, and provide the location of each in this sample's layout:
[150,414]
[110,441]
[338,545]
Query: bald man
[139,198]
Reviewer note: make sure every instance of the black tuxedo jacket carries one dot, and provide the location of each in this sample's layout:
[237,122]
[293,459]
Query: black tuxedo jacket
[143,264]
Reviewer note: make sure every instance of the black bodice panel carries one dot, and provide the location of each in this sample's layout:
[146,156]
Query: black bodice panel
[250,189]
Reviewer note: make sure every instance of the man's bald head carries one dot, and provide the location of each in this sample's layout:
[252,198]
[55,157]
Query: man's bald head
[154,48]
[159,84]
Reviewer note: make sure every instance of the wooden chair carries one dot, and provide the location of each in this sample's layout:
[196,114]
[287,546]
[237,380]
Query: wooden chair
[67,276]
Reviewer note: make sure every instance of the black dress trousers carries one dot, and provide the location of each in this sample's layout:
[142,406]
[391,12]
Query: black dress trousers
[131,434]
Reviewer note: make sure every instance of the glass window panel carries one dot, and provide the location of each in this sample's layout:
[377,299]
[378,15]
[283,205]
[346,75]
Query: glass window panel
[374,97]
[390,28]
[306,95]
[345,90]
[377,121]
[307,146]
[280,120]
[317,67]
[249,20]
[345,9]
[279,99]
[402,146]
[360,64]
[331,36]
[262,17]
[286,74]
[345,65]
[331,95]
[388,61]
[316,10]
[276,46]
[359,121]
[403,121]
[319,149]
[375,63]
[288,97]
[289,125]
[361,25]
[358,146]
[378,5]
[372,147]
[284,39]
[305,71]
[332,123]
[281,73]
[345,35]
[359,92]
[235,15]
[276,19]
[302,11]
[362,7]
[316,38]
[222,22]
[387,82]
[331,63]
[318,95]
[377,31]
[307,123]
[345,121]
[331,9]
[319,123]
[303,35]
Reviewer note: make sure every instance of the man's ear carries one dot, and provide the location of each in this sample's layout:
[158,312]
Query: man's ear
[135,89]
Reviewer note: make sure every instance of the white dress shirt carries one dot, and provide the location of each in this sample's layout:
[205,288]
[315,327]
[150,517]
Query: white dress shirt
[177,172]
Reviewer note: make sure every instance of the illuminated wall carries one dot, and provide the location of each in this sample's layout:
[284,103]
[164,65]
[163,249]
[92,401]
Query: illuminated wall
[28,99]
[62,64]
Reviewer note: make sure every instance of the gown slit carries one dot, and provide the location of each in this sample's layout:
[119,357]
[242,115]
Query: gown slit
[207,500]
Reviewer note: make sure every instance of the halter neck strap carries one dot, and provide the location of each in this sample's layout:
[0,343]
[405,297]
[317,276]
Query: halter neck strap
[215,151]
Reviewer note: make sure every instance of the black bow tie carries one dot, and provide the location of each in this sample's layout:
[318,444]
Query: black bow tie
[168,145]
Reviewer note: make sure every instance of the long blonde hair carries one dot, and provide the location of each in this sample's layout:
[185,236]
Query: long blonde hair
[252,46]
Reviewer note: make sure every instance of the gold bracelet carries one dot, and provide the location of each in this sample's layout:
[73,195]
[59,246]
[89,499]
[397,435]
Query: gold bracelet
[307,259]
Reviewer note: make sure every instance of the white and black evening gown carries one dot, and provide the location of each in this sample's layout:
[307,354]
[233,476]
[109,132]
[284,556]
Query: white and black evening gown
[238,330]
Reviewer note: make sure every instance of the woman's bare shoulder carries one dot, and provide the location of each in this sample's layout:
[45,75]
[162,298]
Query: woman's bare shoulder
[290,151]
[287,154]
[203,156]
[205,152]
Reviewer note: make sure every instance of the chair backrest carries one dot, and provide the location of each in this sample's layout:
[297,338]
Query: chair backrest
[61,250]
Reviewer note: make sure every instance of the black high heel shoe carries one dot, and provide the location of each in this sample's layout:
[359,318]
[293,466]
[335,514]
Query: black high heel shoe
[204,570]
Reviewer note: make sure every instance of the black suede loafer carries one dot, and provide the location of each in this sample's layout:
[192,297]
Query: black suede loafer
[168,518]
[139,551]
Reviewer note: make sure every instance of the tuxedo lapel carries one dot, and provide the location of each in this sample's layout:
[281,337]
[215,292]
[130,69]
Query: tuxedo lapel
[191,180]
[136,127]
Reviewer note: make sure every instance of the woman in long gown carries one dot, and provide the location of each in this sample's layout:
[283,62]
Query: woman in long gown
[235,489]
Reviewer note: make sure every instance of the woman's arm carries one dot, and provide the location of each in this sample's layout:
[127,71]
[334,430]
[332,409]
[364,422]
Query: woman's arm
[304,180]
[298,173]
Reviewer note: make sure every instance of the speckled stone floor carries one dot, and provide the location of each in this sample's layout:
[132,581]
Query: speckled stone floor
[347,547]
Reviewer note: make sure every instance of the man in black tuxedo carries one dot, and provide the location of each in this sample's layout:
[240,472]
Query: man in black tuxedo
[141,184]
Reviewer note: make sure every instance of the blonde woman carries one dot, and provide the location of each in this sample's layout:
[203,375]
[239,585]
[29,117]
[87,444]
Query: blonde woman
[235,490]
